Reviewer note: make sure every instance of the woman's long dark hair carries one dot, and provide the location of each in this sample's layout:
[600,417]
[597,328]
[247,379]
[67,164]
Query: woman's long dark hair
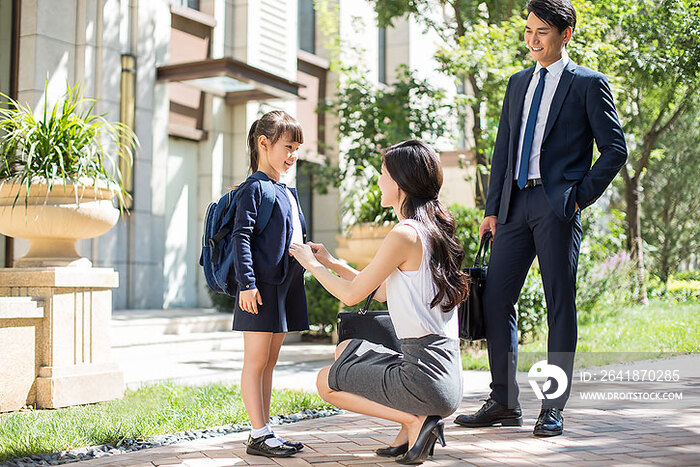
[416,169]
[273,125]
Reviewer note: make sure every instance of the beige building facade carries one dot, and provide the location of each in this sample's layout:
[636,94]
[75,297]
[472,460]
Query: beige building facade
[190,77]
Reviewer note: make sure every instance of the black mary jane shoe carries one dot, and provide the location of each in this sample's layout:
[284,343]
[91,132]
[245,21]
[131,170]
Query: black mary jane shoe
[433,430]
[392,451]
[294,444]
[549,423]
[258,447]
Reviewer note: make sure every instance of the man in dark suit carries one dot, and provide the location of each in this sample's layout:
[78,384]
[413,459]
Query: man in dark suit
[541,178]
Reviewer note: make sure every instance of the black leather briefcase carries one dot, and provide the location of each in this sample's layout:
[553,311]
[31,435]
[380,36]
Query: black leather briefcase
[472,325]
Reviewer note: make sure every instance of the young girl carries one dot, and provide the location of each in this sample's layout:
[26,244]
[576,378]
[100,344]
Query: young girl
[271,299]
[418,272]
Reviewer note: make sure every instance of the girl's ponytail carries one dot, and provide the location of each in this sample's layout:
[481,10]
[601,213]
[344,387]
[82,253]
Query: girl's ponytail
[253,147]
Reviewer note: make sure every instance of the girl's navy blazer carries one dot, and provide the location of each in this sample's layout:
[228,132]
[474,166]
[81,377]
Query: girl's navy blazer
[263,256]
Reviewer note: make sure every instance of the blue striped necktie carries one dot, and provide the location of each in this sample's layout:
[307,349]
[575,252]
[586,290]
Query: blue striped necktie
[530,131]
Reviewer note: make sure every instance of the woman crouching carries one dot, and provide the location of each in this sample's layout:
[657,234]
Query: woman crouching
[418,272]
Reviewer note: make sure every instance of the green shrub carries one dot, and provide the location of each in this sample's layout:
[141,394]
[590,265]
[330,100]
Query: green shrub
[467,222]
[323,307]
[609,282]
[604,233]
[683,291]
[676,291]
[687,275]
[222,302]
[681,287]
[656,288]
[590,285]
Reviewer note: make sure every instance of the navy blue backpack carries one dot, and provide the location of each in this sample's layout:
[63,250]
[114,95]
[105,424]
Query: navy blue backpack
[217,257]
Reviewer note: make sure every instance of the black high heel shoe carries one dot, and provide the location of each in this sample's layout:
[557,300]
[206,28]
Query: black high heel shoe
[392,451]
[433,430]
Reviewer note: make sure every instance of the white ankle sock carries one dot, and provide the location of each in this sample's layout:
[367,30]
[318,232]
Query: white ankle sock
[279,438]
[276,441]
[257,433]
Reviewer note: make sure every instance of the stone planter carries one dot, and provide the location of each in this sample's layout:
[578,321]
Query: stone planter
[361,244]
[55,308]
[54,220]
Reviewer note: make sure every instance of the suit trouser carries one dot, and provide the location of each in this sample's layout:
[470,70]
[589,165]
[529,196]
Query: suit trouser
[532,229]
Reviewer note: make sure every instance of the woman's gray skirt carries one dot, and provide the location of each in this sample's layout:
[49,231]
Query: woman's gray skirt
[425,379]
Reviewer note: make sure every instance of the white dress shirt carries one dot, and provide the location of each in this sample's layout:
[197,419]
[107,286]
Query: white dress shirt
[551,81]
[297,233]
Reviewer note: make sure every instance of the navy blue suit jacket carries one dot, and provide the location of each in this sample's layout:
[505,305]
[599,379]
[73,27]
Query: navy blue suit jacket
[263,256]
[582,111]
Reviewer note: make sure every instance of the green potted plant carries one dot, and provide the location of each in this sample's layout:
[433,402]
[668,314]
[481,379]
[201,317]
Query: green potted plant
[59,175]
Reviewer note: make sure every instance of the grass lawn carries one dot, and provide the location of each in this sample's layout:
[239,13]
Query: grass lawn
[645,330]
[152,410]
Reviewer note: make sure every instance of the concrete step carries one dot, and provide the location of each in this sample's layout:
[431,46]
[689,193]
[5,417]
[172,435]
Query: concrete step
[182,325]
[145,327]
[184,343]
[195,346]
[200,358]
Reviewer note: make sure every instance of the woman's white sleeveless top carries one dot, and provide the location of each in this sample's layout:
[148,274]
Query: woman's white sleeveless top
[409,294]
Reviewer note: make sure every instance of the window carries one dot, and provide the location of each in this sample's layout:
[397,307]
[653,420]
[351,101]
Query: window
[193,4]
[381,54]
[307,26]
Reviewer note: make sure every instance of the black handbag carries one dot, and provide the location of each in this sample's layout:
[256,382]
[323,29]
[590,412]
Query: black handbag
[372,326]
[471,311]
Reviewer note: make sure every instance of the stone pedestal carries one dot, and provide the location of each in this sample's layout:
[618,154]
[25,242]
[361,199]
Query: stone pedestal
[65,317]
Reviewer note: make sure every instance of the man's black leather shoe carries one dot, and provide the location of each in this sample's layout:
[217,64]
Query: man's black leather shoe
[549,423]
[258,447]
[492,413]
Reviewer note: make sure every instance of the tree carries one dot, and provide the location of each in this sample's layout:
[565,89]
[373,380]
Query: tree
[480,52]
[372,118]
[483,46]
[672,196]
[656,62]
[649,49]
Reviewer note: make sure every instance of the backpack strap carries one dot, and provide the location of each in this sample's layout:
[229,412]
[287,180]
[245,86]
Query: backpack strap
[267,203]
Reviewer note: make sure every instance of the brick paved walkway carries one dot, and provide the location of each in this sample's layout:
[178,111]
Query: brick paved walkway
[591,437]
